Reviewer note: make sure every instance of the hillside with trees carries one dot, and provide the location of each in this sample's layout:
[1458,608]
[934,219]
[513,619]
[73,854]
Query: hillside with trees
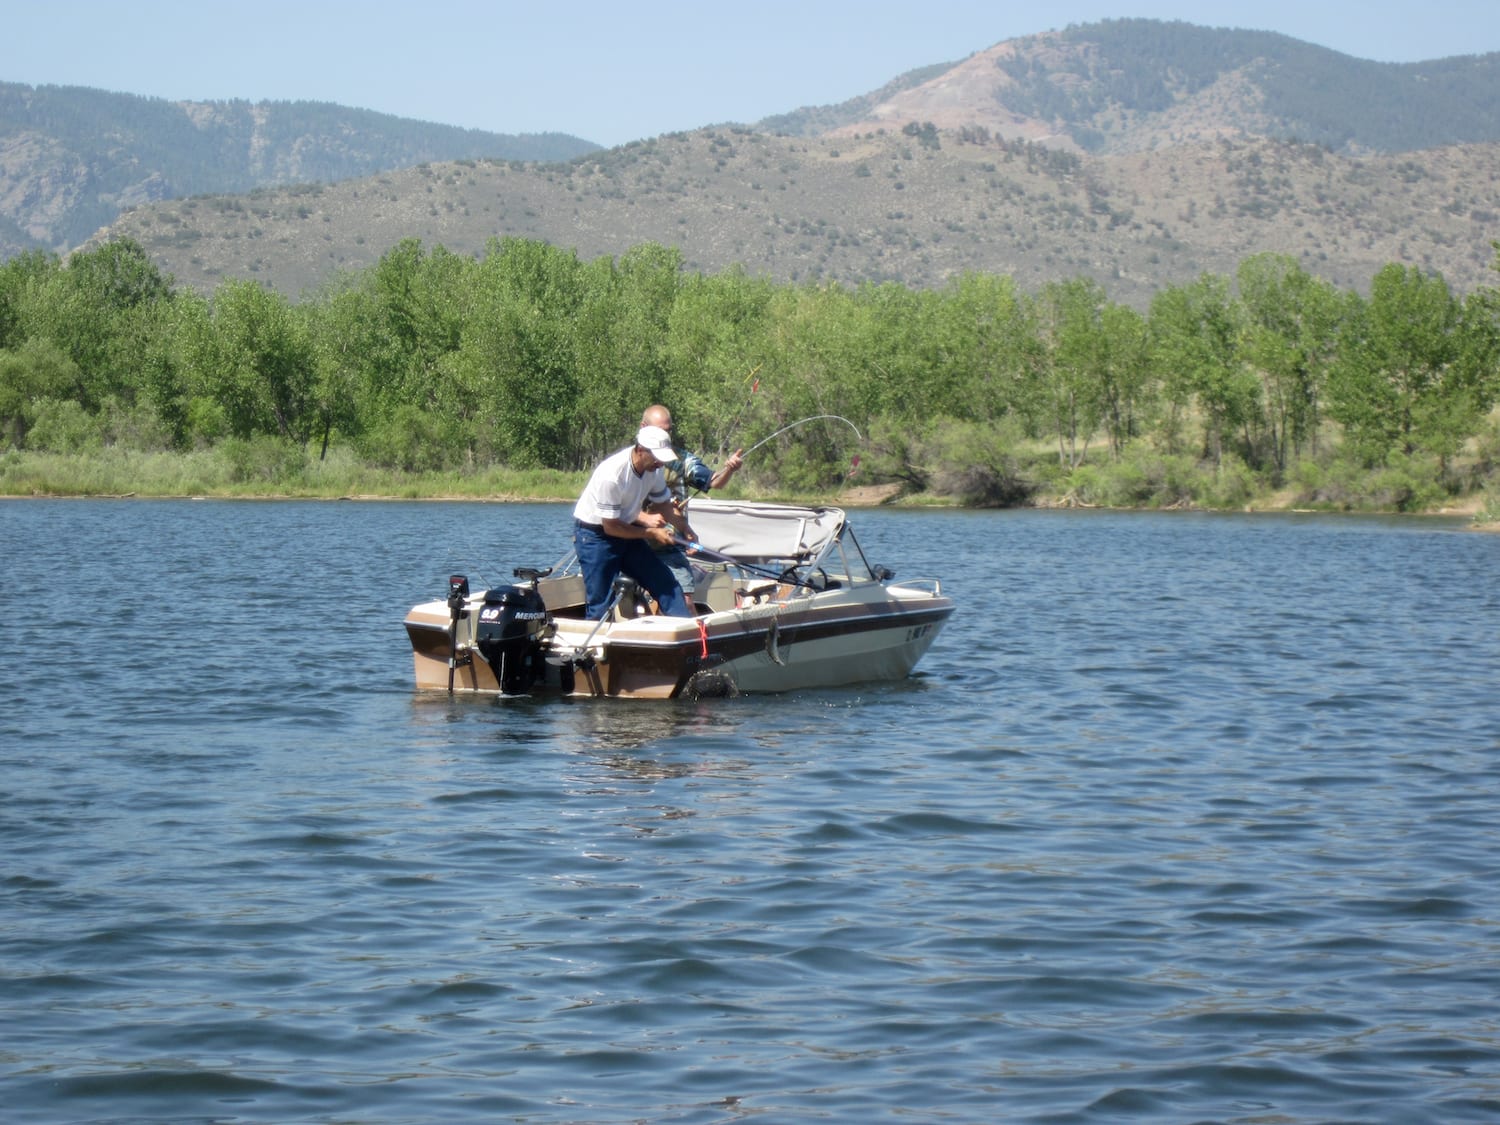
[1137,85]
[1127,70]
[72,158]
[921,206]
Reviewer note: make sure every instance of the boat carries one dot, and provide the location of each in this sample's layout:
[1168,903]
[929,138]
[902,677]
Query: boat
[785,598]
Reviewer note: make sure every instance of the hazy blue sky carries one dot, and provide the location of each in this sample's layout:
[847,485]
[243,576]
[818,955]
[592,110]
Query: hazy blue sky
[618,71]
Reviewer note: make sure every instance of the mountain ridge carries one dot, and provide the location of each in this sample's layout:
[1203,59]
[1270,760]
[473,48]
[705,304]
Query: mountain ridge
[1138,152]
[72,157]
[1097,86]
[919,208]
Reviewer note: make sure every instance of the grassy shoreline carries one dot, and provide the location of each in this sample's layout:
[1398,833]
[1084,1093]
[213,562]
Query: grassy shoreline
[208,474]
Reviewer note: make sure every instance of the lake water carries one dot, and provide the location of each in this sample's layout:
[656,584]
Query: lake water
[1183,818]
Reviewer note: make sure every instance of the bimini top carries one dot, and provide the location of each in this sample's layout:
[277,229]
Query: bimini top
[752,532]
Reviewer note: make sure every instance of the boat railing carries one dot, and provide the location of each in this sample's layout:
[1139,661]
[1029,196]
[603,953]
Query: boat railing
[933,586]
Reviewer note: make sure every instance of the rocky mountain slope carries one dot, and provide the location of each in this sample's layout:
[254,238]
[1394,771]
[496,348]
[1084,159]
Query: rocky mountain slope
[917,207]
[1137,152]
[71,159]
[1136,85]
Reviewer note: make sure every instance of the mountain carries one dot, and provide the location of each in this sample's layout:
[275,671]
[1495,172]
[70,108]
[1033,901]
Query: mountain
[917,206]
[72,158]
[1137,152]
[1137,85]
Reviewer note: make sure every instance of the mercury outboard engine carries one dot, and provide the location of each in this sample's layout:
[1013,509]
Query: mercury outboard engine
[511,632]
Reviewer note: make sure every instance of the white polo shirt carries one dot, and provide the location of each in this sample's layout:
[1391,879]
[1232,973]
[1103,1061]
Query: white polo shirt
[617,492]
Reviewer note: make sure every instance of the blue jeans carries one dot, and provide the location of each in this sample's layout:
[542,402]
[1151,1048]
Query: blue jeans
[603,558]
[677,563]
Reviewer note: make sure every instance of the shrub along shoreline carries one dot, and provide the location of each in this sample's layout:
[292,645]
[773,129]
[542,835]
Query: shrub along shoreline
[218,474]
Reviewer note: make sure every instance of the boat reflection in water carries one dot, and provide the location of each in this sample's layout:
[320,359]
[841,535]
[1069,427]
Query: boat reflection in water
[785,599]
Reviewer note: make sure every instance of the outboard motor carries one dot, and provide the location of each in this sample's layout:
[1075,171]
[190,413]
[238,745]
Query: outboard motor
[510,633]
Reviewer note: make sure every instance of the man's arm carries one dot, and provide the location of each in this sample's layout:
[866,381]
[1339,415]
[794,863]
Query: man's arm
[728,469]
[674,520]
[619,529]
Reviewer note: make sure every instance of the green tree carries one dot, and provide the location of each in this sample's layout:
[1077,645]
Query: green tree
[518,357]
[1126,380]
[1194,337]
[256,361]
[990,347]
[163,378]
[335,391]
[1069,386]
[715,352]
[1414,368]
[35,373]
[1291,336]
[619,340]
[20,278]
[419,304]
[103,310]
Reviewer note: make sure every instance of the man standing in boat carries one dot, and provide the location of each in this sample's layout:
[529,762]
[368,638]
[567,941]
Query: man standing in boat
[686,470]
[625,511]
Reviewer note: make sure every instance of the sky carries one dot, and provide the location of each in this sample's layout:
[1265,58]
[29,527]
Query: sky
[614,72]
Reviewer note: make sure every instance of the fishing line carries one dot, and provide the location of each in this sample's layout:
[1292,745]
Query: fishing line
[804,421]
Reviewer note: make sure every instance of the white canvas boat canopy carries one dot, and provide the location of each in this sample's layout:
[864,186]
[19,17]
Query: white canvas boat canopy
[763,532]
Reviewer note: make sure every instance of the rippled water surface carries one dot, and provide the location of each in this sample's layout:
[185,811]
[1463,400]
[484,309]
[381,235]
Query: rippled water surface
[1184,818]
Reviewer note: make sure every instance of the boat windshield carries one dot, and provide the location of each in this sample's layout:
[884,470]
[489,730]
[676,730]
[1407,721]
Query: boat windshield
[845,560]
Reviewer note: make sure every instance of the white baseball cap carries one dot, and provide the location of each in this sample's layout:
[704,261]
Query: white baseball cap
[657,442]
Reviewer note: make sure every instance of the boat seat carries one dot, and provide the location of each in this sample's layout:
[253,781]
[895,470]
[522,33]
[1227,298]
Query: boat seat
[715,591]
[562,593]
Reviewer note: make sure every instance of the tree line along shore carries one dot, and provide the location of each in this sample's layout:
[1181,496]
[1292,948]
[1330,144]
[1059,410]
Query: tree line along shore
[510,373]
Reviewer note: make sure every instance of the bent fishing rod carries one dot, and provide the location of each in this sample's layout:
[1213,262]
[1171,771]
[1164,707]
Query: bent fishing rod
[803,422]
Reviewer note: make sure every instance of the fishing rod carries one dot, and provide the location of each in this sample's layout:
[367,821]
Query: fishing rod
[803,422]
[788,576]
[754,382]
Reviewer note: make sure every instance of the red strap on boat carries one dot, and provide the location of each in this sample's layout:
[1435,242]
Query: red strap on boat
[703,638]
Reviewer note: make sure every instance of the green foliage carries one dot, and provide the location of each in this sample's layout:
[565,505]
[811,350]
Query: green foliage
[1195,332]
[35,372]
[1415,369]
[1232,484]
[19,279]
[1346,483]
[263,459]
[1290,336]
[409,439]
[1145,478]
[1069,391]
[1406,484]
[977,465]
[433,366]
[62,426]
[255,359]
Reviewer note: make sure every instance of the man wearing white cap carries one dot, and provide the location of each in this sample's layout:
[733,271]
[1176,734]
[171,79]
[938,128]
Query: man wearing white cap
[625,509]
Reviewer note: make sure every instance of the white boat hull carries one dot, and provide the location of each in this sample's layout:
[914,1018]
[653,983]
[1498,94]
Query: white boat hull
[879,634]
[811,627]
